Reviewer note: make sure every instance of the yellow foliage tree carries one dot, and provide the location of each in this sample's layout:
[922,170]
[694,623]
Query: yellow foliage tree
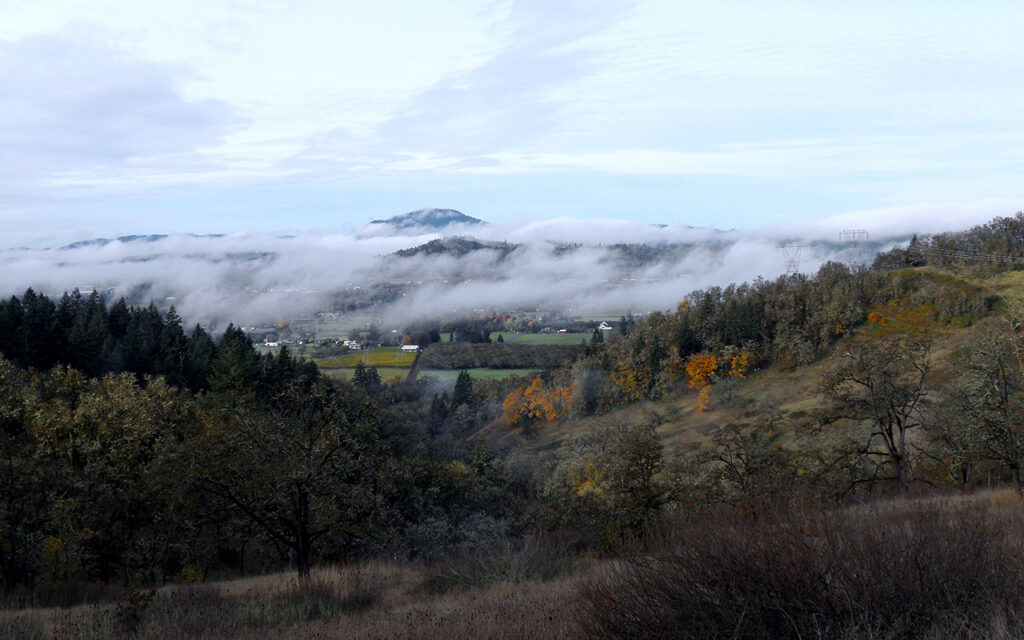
[704,398]
[700,369]
[739,364]
[633,380]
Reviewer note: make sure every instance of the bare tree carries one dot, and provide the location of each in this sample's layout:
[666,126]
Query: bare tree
[883,384]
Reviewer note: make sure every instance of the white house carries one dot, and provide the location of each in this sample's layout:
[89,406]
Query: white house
[413,348]
[604,326]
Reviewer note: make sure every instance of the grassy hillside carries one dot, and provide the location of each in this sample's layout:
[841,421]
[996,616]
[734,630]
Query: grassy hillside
[369,600]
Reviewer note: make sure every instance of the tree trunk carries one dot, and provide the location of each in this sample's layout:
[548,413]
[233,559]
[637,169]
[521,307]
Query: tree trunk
[902,474]
[302,541]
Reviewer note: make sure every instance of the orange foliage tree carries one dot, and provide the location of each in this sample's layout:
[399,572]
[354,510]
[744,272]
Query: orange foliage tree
[534,403]
[700,369]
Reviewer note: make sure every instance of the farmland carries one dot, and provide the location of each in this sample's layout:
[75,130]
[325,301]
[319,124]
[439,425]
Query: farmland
[545,338]
[478,374]
[375,357]
[385,373]
[515,337]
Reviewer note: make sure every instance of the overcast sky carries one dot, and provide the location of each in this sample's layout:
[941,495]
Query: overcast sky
[136,116]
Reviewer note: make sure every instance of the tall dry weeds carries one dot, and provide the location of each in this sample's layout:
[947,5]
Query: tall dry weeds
[917,570]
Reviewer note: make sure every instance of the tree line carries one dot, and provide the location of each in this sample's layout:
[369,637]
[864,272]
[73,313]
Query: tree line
[206,458]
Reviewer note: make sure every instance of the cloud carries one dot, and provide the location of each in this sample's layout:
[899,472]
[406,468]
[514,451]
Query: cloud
[77,111]
[561,263]
[516,96]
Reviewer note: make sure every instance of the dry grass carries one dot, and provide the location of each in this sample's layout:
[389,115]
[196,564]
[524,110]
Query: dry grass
[370,600]
[930,568]
[913,569]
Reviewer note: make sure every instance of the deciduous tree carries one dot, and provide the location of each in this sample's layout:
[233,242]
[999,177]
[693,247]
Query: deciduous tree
[882,383]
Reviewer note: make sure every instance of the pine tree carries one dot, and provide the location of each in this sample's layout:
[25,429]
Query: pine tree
[438,415]
[237,368]
[463,393]
[367,378]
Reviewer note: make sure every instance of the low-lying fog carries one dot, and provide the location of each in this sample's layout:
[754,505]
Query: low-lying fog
[251,278]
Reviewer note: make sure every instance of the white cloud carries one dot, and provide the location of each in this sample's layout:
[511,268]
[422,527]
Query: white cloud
[75,111]
[865,105]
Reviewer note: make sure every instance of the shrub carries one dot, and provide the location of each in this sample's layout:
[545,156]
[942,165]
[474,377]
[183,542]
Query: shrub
[883,572]
[509,562]
[22,629]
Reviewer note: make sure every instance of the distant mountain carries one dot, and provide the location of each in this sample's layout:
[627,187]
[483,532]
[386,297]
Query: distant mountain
[457,246]
[155,237]
[432,218]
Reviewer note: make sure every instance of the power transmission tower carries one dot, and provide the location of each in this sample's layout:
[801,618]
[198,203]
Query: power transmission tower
[791,253]
[853,236]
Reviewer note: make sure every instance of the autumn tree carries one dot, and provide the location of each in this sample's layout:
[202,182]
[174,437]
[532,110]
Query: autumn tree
[536,403]
[883,384]
[700,369]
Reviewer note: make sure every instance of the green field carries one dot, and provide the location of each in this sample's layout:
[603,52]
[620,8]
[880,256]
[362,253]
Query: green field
[297,350]
[480,374]
[385,373]
[545,338]
[376,357]
[534,338]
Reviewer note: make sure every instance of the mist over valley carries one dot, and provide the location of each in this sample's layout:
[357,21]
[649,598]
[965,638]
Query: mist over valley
[430,263]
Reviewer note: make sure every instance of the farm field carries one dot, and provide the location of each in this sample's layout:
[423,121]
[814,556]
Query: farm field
[543,338]
[375,357]
[512,337]
[342,326]
[479,374]
[386,373]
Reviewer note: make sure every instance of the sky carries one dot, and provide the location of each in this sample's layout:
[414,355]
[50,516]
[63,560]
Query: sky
[284,116]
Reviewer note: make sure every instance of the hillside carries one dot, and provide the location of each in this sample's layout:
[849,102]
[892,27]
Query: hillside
[429,218]
[820,433]
[458,247]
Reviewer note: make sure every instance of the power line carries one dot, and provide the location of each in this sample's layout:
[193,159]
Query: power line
[966,255]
